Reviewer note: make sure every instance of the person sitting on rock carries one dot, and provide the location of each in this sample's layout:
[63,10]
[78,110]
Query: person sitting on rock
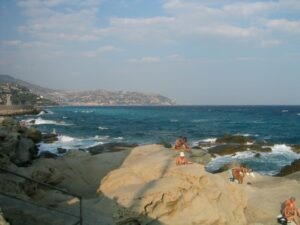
[290,212]
[182,160]
[181,144]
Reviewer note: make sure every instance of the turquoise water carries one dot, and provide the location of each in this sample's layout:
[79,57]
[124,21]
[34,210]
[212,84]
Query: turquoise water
[80,127]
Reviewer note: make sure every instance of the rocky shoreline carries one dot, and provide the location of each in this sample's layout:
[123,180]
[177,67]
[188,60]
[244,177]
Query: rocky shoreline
[128,184]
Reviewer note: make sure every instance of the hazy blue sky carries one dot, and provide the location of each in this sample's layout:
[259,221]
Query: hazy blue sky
[193,51]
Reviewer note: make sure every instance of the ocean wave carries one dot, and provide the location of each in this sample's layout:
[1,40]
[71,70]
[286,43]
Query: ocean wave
[208,140]
[244,155]
[284,110]
[65,139]
[298,114]
[87,111]
[41,113]
[173,120]
[102,128]
[97,137]
[40,121]
[119,138]
[199,120]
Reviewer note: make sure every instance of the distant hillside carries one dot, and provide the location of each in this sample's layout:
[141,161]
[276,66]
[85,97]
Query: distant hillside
[16,94]
[98,97]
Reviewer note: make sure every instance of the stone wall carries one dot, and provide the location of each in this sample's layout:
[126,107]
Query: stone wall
[17,110]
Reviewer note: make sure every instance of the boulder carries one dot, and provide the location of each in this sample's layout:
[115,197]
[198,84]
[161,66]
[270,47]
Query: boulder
[25,152]
[289,169]
[150,189]
[227,149]
[237,139]
[61,150]
[110,147]
[260,148]
[49,138]
[31,133]
[296,148]
[200,156]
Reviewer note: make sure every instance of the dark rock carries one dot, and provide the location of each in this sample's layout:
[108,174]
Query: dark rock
[223,168]
[25,152]
[47,154]
[48,177]
[289,169]
[227,149]
[61,150]
[110,147]
[31,133]
[257,155]
[260,148]
[205,144]
[237,139]
[49,138]
[296,148]
[200,156]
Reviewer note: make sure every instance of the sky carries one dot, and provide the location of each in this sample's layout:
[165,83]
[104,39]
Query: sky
[203,52]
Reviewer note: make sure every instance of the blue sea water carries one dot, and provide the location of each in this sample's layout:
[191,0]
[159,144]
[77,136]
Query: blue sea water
[80,127]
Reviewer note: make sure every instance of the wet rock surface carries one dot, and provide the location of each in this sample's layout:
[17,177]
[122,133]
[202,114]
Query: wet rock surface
[289,169]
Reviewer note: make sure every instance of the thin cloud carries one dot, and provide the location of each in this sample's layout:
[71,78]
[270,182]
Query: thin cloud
[146,59]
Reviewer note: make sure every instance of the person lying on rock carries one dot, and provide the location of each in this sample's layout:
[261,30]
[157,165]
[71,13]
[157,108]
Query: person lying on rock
[290,212]
[182,160]
[182,144]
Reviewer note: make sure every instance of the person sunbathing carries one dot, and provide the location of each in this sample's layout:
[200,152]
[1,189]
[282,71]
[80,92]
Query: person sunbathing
[182,160]
[181,144]
[290,212]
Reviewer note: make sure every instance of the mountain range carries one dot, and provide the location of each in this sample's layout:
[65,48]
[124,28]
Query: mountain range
[95,97]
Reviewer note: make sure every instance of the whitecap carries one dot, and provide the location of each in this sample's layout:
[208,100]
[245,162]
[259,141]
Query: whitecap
[298,114]
[97,137]
[284,110]
[198,120]
[64,138]
[102,128]
[241,134]
[208,140]
[173,120]
[119,138]
[41,113]
[244,155]
[40,121]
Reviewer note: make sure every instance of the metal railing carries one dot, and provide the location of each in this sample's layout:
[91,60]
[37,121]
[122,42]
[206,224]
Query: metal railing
[79,217]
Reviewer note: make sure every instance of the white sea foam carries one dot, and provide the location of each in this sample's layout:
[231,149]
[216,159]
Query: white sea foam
[40,121]
[241,134]
[244,155]
[41,113]
[209,140]
[281,149]
[199,120]
[298,114]
[102,128]
[65,139]
[49,112]
[284,110]
[97,137]
[119,138]
[87,111]
[173,120]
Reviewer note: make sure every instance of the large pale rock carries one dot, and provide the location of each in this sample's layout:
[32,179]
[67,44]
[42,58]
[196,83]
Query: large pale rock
[149,187]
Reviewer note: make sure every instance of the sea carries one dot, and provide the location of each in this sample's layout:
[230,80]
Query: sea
[82,127]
